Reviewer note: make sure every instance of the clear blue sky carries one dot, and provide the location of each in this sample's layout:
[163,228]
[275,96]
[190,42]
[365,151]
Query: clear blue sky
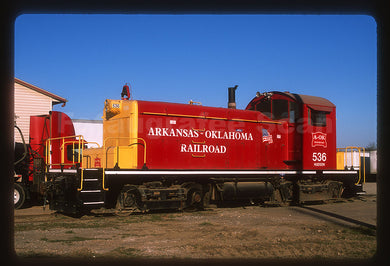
[176,58]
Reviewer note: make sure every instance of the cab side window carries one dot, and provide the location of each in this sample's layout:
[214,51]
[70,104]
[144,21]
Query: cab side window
[279,109]
[73,154]
[264,107]
[294,112]
[317,118]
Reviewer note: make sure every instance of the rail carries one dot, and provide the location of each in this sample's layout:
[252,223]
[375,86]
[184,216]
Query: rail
[73,149]
[79,160]
[116,147]
[352,149]
[64,142]
[79,139]
[88,157]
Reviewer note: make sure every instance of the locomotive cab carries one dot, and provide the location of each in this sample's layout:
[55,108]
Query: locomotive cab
[311,127]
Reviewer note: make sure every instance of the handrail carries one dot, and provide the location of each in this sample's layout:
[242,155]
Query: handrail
[128,138]
[87,162]
[63,150]
[77,139]
[105,149]
[48,148]
[360,166]
[73,142]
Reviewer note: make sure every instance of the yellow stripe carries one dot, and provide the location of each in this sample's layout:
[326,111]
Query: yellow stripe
[270,122]
[164,114]
[149,113]
[255,121]
[214,118]
[244,120]
[192,116]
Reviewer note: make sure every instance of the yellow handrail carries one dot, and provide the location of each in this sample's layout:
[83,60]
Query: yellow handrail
[73,142]
[62,148]
[79,139]
[360,166]
[48,148]
[117,146]
[81,180]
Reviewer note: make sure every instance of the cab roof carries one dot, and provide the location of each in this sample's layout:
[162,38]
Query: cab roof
[314,102]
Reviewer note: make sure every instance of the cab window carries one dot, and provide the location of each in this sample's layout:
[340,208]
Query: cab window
[317,118]
[73,154]
[279,109]
[293,112]
[265,107]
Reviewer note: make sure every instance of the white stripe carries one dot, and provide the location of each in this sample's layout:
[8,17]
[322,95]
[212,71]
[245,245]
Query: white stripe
[340,172]
[202,172]
[90,191]
[91,203]
[309,172]
[63,171]
[108,172]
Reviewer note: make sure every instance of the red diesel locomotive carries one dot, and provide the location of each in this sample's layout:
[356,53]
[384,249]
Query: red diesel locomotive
[156,155]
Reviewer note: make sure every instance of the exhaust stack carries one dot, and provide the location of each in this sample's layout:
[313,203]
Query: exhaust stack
[232,97]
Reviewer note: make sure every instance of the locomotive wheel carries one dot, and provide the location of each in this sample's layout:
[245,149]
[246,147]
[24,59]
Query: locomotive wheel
[19,196]
[194,197]
[335,189]
[127,202]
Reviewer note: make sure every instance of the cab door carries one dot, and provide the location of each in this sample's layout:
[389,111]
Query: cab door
[319,138]
[294,160]
[274,146]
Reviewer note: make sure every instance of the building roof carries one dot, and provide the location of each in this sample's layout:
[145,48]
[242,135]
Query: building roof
[57,99]
[88,121]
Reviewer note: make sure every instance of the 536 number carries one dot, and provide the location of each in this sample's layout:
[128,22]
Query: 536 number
[319,157]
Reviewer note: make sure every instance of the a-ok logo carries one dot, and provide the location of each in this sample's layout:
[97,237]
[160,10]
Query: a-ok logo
[318,139]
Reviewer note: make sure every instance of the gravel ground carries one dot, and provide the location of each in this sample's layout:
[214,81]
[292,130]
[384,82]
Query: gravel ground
[343,229]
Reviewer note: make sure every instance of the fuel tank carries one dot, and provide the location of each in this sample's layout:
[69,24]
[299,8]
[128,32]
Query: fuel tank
[247,190]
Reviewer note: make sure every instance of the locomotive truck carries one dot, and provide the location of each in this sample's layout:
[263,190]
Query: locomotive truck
[157,155]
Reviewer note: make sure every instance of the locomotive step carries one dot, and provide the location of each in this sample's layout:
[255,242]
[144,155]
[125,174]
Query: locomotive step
[94,203]
[91,181]
[92,193]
